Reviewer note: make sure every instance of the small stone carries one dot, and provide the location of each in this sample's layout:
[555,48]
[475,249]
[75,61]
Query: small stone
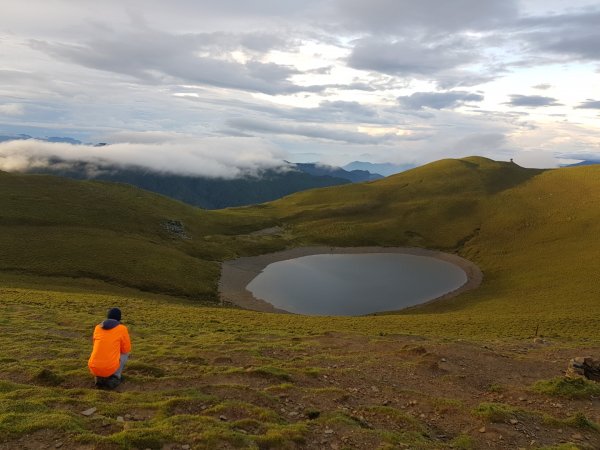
[185,447]
[128,416]
[328,431]
[58,445]
[422,416]
[482,430]
[514,421]
[222,417]
[374,388]
[293,414]
[89,412]
[577,437]
[120,419]
[443,359]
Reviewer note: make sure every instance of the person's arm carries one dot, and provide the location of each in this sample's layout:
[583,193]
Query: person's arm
[125,341]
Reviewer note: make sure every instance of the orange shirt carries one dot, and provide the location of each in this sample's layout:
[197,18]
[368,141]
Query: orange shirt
[108,346]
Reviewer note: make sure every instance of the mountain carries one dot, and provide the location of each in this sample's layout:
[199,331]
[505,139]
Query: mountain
[585,162]
[208,193]
[503,217]
[384,169]
[449,374]
[24,137]
[355,176]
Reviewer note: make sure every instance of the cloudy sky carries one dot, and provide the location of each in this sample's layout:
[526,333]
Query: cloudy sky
[236,83]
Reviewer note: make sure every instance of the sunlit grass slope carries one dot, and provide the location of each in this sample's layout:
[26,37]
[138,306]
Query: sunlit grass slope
[532,232]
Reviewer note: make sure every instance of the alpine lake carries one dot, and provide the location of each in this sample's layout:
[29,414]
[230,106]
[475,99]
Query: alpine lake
[355,284]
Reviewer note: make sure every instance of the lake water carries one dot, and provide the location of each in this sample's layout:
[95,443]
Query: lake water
[355,284]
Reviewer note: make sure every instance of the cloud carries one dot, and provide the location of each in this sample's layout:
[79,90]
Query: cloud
[433,16]
[573,35]
[410,57]
[438,100]
[536,159]
[207,157]
[480,143]
[309,131]
[158,57]
[12,109]
[543,86]
[532,101]
[589,104]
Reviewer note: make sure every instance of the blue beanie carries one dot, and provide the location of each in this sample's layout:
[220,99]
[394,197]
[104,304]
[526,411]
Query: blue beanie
[114,313]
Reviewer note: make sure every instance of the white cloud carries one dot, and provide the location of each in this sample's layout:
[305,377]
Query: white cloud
[12,109]
[226,157]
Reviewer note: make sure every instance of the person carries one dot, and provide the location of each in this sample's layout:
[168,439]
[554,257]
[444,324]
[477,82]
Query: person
[111,350]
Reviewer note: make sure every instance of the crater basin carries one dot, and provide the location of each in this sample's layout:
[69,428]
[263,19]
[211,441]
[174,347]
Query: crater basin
[355,284]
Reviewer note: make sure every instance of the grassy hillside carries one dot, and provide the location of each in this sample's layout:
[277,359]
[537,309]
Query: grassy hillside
[222,378]
[75,231]
[463,373]
[532,232]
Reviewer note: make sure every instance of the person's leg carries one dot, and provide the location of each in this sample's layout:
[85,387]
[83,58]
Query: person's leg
[124,358]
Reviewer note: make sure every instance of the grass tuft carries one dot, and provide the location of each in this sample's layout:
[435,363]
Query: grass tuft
[567,387]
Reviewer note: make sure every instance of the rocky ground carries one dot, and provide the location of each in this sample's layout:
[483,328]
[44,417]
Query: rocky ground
[342,391]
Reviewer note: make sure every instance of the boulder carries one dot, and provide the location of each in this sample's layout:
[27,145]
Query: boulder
[584,367]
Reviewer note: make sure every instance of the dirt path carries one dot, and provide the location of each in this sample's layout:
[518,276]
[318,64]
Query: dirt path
[236,274]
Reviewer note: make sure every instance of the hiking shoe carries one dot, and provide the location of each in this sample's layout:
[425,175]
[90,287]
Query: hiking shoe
[107,382]
[112,382]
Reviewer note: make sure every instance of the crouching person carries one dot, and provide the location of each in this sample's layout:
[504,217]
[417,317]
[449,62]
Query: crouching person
[111,350]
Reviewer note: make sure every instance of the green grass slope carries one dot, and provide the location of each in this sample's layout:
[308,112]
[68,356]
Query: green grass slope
[462,373]
[532,232]
[69,232]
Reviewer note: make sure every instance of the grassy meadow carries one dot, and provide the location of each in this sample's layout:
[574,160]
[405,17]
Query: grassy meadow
[214,377]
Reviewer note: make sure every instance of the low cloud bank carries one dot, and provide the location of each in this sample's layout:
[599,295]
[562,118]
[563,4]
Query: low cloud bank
[218,157]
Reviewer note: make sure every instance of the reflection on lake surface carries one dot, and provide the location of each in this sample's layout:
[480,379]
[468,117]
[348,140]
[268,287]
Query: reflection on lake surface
[355,284]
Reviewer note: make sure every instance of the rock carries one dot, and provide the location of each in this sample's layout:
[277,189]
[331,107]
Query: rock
[577,437]
[584,367]
[482,430]
[538,340]
[443,360]
[328,431]
[185,447]
[120,419]
[128,416]
[89,412]
[522,399]
[223,418]
[374,388]
[514,421]
[58,445]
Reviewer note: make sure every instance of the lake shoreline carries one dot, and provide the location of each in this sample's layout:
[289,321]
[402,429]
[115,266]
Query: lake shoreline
[238,273]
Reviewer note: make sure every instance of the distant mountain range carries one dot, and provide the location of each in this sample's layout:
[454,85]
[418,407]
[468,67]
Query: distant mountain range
[585,162]
[353,175]
[215,193]
[24,137]
[209,193]
[384,169]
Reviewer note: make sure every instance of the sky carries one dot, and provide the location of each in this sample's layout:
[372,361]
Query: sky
[229,87]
